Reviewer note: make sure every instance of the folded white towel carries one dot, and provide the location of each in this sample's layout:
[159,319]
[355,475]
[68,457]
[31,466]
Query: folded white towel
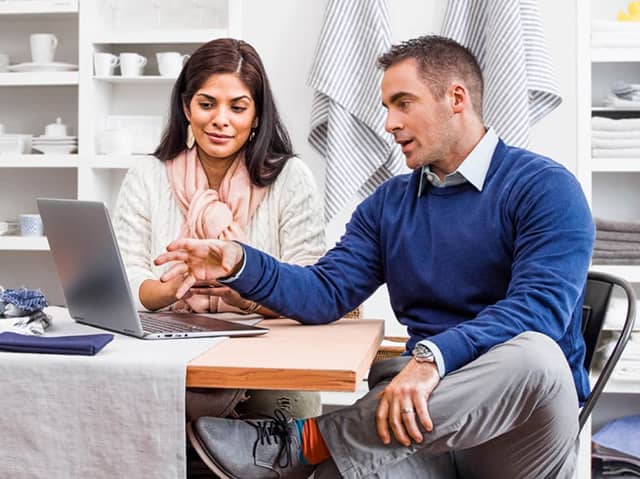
[615,135]
[617,102]
[617,143]
[616,153]
[609,124]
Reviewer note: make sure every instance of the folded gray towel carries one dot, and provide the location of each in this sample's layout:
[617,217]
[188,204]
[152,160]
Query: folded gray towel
[617,236]
[598,253]
[619,261]
[603,245]
[612,225]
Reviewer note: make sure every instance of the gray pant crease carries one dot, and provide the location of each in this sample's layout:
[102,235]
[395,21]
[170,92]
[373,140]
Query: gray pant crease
[513,412]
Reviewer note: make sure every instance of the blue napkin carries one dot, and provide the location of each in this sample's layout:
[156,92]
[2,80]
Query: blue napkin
[87,345]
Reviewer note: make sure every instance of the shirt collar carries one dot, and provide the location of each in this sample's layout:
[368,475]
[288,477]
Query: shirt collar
[474,167]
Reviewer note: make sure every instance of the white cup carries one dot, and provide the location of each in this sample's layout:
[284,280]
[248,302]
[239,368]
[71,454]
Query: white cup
[170,63]
[104,64]
[4,62]
[132,64]
[31,225]
[115,142]
[43,47]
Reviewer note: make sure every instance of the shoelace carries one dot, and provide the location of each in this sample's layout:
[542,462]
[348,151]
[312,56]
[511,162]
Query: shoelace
[275,429]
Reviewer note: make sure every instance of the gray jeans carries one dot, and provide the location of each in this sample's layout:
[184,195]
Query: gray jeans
[513,412]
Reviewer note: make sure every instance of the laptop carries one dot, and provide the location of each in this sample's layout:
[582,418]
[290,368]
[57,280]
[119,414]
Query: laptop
[94,280]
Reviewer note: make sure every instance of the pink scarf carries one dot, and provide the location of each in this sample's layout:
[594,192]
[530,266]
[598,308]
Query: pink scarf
[222,214]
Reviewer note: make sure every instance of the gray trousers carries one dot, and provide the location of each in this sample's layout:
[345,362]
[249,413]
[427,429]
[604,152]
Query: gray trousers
[511,413]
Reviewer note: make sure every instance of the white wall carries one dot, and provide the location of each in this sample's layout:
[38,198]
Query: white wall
[285,33]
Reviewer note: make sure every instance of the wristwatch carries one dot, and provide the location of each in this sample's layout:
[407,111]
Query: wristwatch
[423,354]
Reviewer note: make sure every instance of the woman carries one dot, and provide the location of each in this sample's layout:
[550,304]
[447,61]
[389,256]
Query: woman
[224,169]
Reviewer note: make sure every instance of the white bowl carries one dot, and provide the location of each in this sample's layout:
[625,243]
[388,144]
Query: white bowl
[17,144]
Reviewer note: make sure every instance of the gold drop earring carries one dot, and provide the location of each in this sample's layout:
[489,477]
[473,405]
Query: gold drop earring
[191,140]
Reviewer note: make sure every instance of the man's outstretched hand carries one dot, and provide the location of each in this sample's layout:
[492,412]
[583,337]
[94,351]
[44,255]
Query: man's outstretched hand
[200,261]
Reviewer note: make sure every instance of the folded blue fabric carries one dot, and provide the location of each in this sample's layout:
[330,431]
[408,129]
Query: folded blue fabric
[87,345]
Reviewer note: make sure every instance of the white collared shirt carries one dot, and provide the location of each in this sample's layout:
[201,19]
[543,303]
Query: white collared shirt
[473,168]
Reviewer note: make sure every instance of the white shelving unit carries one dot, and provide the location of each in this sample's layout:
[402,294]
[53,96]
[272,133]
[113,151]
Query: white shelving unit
[39,78]
[32,100]
[612,185]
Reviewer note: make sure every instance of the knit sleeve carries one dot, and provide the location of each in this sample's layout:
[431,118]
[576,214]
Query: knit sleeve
[325,291]
[132,226]
[301,235]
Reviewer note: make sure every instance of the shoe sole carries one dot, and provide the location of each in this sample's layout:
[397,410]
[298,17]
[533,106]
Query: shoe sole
[202,451]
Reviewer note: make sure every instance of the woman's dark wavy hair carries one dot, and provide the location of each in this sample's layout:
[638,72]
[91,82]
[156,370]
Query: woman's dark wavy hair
[270,148]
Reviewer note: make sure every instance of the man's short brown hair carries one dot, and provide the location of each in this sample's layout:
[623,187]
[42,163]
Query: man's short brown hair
[440,60]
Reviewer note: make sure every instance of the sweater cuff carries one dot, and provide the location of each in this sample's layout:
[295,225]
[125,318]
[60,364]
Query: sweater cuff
[437,356]
[455,349]
[252,269]
[231,279]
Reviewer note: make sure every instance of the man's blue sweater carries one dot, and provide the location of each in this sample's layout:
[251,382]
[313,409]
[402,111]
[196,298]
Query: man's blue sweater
[466,269]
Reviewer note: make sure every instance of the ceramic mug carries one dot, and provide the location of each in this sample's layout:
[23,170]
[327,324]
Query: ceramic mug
[132,64]
[104,64]
[43,47]
[170,63]
[31,225]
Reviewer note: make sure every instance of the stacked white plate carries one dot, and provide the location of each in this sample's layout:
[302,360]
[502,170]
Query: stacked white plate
[60,145]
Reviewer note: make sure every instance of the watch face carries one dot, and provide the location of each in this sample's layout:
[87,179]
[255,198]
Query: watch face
[421,352]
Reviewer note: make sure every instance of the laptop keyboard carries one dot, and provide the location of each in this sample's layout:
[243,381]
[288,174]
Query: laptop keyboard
[152,324]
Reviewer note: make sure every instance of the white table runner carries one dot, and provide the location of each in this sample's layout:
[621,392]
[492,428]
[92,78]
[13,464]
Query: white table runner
[119,414]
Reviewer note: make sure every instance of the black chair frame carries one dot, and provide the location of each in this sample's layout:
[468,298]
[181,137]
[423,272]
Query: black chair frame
[597,296]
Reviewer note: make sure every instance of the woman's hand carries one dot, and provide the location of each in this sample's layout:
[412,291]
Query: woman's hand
[200,261]
[225,293]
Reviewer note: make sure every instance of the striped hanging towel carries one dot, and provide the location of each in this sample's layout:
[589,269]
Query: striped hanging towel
[507,38]
[347,118]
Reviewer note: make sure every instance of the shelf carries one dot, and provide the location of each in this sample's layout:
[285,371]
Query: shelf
[613,165]
[109,162]
[38,78]
[24,243]
[145,79]
[629,272]
[38,161]
[607,55]
[30,7]
[161,36]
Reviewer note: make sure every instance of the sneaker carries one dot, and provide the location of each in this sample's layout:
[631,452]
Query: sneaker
[252,449]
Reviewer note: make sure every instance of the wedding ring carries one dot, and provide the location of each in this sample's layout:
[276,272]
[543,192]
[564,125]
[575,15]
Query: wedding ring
[407,410]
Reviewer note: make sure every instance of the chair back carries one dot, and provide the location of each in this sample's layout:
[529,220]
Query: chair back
[596,301]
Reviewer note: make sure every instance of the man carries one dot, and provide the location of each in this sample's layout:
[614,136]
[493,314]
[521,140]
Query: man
[484,249]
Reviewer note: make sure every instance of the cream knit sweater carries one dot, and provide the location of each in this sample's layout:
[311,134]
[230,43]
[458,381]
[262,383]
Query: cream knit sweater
[288,224]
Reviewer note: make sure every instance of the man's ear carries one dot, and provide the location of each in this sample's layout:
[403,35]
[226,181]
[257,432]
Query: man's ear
[459,97]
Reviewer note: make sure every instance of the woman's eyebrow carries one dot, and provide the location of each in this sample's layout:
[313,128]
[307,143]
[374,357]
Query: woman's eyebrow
[211,98]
